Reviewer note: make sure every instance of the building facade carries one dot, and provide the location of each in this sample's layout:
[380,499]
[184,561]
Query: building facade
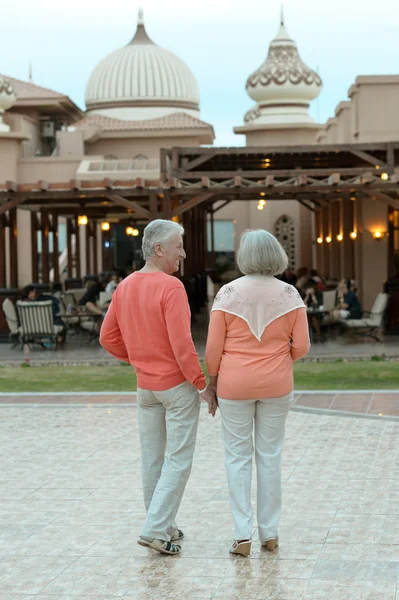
[142,98]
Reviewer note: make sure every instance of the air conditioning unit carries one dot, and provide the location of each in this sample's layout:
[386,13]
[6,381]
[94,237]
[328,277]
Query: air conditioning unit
[47,129]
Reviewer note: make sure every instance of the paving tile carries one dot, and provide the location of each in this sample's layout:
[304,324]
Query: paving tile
[315,400]
[326,590]
[30,574]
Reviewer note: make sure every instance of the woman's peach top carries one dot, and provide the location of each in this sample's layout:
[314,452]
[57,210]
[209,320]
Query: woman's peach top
[250,369]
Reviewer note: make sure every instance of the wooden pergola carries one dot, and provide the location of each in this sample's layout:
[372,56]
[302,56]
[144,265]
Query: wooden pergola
[195,182]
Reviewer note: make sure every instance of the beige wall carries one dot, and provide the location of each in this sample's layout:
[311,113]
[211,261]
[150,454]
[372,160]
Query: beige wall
[381,124]
[9,154]
[130,147]
[47,168]
[373,253]
[282,137]
[70,143]
[247,216]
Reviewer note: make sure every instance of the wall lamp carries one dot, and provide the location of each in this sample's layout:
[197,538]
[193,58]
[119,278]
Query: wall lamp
[378,235]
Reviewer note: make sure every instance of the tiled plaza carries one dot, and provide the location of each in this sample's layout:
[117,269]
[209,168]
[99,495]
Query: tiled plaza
[71,508]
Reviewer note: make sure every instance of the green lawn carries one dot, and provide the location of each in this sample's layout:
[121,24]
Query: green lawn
[308,375]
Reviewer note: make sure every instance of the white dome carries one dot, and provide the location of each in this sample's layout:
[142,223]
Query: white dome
[139,75]
[283,86]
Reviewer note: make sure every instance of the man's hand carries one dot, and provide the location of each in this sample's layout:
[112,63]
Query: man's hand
[210,397]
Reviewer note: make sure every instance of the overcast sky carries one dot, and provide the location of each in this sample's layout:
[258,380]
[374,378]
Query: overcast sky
[222,41]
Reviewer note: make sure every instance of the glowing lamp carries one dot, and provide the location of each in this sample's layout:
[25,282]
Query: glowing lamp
[262,202]
[105,226]
[129,230]
[378,235]
[260,206]
[328,239]
[135,232]
[340,237]
[319,240]
[82,220]
[384,176]
[353,235]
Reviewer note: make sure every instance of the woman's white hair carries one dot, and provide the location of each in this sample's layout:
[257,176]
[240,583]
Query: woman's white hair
[159,231]
[261,253]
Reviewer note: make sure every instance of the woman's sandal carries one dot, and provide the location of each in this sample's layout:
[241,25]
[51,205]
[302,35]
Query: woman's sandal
[160,545]
[271,544]
[243,548]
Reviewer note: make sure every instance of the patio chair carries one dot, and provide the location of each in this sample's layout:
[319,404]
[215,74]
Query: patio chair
[37,322]
[105,297]
[12,321]
[371,325]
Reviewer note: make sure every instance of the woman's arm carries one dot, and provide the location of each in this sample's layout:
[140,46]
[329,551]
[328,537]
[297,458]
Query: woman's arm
[215,344]
[300,335]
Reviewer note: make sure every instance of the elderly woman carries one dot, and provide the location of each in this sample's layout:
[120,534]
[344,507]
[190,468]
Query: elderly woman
[258,329]
[148,326]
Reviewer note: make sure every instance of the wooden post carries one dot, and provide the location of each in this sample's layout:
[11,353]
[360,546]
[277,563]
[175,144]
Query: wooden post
[95,259]
[3,275]
[167,204]
[56,267]
[13,247]
[347,245]
[77,248]
[335,244]
[213,254]
[87,246]
[153,205]
[69,247]
[35,259]
[45,228]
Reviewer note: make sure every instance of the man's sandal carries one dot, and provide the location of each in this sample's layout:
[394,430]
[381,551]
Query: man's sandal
[160,545]
[177,537]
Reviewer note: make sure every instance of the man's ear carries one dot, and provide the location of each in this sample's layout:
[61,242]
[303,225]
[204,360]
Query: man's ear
[158,249]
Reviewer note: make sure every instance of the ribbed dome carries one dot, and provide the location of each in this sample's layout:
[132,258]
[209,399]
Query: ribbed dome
[283,86]
[142,74]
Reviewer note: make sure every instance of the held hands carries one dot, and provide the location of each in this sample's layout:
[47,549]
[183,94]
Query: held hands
[210,397]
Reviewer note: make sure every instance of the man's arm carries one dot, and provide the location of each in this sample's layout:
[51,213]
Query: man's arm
[111,337]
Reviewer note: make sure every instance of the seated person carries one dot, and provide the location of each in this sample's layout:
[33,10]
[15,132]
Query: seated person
[29,294]
[314,299]
[90,298]
[348,306]
[113,282]
[319,281]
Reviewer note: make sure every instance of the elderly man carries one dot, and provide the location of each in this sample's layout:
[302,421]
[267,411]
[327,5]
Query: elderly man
[148,325]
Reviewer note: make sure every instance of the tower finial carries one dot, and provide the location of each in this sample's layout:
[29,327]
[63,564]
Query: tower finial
[141,17]
[282,15]
[30,73]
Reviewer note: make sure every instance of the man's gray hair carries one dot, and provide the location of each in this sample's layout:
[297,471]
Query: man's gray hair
[261,253]
[159,231]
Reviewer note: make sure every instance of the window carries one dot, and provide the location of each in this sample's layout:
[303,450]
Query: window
[284,230]
[224,236]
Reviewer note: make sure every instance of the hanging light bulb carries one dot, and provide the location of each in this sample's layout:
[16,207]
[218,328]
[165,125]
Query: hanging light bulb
[135,232]
[129,230]
[82,220]
[105,226]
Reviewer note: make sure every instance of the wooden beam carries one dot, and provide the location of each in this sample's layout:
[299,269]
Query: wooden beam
[167,205]
[334,179]
[129,204]
[87,247]
[368,158]
[11,204]
[199,199]
[306,205]
[95,253]
[225,203]
[200,160]
[260,173]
